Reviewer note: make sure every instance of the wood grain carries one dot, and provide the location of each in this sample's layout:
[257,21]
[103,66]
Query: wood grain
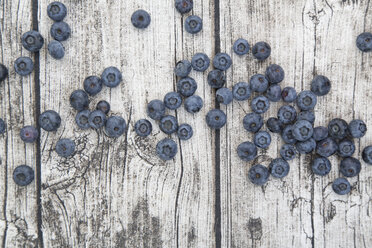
[18,218]
[116,192]
[307,38]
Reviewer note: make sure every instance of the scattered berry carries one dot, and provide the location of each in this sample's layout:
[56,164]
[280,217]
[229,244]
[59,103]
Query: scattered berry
[92,85]
[23,175]
[364,42]
[65,147]
[184,132]
[306,146]
[320,85]
[97,119]
[104,106]
[306,100]
[241,91]
[337,128]
[302,130]
[216,79]
[60,31]
[289,94]
[274,73]
[320,133]
[279,168]
[287,135]
[143,128]
[187,86]
[287,114]
[172,100]
[252,122]
[79,100]
[82,118]
[111,77]
[307,116]
[166,149]
[184,6]
[193,24]
[241,47]
[346,148]
[200,62]
[357,128]
[326,147]
[262,139]
[341,186]
[56,11]
[258,174]
[247,151]
[3,72]
[23,66]
[32,41]
[29,134]
[140,19]
[274,125]
[183,68]
[56,49]
[193,104]
[49,120]
[367,155]
[274,93]
[168,124]
[155,109]
[350,167]
[222,61]
[260,104]
[288,152]
[224,96]
[115,126]
[259,83]
[321,166]
[261,50]
[216,119]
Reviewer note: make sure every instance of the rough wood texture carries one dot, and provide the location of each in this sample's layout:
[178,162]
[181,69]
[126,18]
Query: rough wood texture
[116,192]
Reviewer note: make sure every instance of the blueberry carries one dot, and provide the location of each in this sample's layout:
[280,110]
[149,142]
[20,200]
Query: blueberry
[140,19]
[274,73]
[60,31]
[143,128]
[259,83]
[287,114]
[222,61]
[111,77]
[287,135]
[224,96]
[306,100]
[288,152]
[346,148]
[187,86]
[350,167]
[320,133]
[307,116]
[302,130]
[2,126]
[193,24]
[241,91]
[193,104]
[115,126]
[216,79]
[367,155]
[166,149]
[184,6]
[23,66]
[320,85]
[247,151]
[216,119]
[289,94]
[274,93]
[364,42]
[56,11]
[326,147]
[252,122]
[56,49]
[79,100]
[260,104]
[261,50]
[92,85]
[29,134]
[262,139]
[341,186]
[306,146]
[49,120]
[172,100]
[168,124]
[65,147]
[258,174]
[357,128]
[274,125]
[23,175]
[337,128]
[97,119]
[200,62]
[184,131]
[241,46]
[81,119]
[279,168]
[104,106]
[32,41]
[3,72]
[321,166]
[183,68]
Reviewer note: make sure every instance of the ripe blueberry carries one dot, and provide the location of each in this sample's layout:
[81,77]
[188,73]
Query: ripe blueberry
[216,119]
[32,41]
[279,168]
[115,126]
[65,147]
[104,106]
[184,6]
[287,135]
[241,46]
[274,125]
[341,186]
[155,109]
[222,61]
[60,31]
[166,149]
[326,147]
[79,100]
[140,19]
[274,93]
[193,104]
[92,85]
[320,85]
[97,119]
[56,49]
[172,100]
[81,119]
[184,132]
[183,68]
[241,91]
[49,120]
[357,128]
[306,146]
[111,77]
[274,73]
[187,86]
[23,175]
[200,62]
[288,152]
[216,79]
[350,167]
[247,151]
[3,72]
[320,133]
[289,94]
[367,155]
[193,24]
[338,128]
[261,50]
[252,122]
[260,104]
[302,130]
[287,114]
[224,96]
[23,66]
[143,128]
[259,83]
[262,139]
[56,11]
[307,116]
[306,100]
[168,124]
[29,134]
[346,148]
[364,42]
[258,174]
[321,166]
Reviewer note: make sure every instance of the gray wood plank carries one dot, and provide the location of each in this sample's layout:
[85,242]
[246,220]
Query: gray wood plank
[307,38]
[116,192]
[18,218]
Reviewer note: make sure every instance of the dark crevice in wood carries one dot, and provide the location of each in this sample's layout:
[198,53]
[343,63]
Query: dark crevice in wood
[217,179]
[35,26]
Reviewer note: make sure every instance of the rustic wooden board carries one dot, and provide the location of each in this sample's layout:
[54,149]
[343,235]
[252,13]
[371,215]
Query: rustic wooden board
[307,38]
[116,192]
[18,221]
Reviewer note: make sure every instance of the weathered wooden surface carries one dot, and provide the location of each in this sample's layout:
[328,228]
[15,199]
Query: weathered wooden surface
[117,193]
